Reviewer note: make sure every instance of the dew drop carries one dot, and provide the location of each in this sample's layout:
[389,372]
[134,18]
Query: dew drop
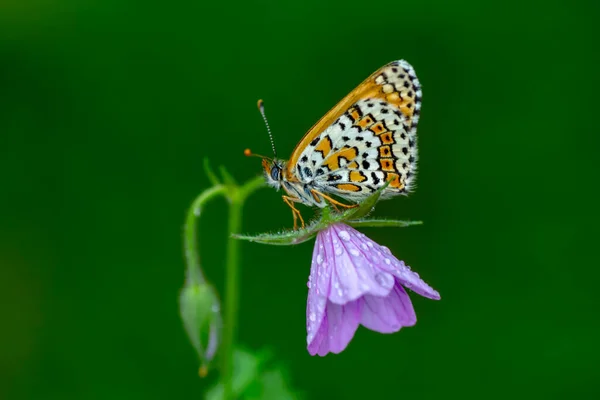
[319,258]
[382,279]
[345,236]
[386,250]
[370,244]
[338,251]
[387,261]
[312,317]
[364,246]
[364,286]
[340,292]
[309,284]
[354,252]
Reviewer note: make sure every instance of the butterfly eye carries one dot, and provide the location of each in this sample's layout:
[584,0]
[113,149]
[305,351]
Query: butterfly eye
[275,172]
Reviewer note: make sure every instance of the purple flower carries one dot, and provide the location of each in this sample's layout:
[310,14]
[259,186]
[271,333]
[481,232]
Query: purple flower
[353,281]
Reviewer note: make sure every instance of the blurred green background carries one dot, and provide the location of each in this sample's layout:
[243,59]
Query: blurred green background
[107,109]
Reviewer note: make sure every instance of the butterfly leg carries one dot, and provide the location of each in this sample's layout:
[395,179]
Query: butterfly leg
[290,202]
[333,202]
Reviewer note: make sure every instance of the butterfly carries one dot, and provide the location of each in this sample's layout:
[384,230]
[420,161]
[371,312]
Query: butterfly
[369,138]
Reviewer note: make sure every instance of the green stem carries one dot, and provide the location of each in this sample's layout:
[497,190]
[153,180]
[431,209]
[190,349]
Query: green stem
[192,255]
[232,297]
[237,197]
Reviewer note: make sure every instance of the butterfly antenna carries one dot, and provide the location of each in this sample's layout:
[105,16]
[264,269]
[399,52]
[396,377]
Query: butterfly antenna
[261,108]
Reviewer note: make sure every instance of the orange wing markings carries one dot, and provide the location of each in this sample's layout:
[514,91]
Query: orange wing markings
[368,88]
[333,161]
[348,187]
[324,146]
[380,85]
[395,180]
[357,176]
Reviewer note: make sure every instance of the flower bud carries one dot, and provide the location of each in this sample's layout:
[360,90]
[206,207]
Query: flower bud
[200,312]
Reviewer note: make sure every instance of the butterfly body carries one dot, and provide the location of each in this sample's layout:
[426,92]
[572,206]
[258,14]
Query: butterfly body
[367,139]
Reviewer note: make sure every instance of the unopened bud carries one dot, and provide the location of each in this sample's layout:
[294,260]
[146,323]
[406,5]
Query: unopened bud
[200,312]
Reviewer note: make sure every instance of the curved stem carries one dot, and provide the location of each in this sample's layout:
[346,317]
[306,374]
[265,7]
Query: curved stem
[192,255]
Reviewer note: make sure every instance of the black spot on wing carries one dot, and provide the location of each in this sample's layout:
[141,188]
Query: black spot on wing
[376,179]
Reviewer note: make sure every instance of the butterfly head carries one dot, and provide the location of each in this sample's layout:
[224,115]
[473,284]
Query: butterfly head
[273,172]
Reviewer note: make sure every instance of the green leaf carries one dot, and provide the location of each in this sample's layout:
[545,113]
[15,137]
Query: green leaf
[354,217]
[246,370]
[378,223]
[365,207]
[255,378]
[288,237]
[273,385]
[278,239]
[227,177]
[209,173]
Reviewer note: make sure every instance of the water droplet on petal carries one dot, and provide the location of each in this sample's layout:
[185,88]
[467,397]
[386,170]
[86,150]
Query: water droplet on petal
[364,286]
[363,246]
[319,258]
[370,244]
[340,292]
[354,252]
[309,284]
[338,251]
[387,261]
[386,250]
[344,235]
[312,317]
[383,279]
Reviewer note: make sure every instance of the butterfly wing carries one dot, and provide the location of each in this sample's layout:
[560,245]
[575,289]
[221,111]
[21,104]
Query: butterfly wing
[367,139]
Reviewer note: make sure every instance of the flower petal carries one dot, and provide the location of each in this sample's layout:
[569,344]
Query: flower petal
[337,328]
[388,314]
[382,257]
[318,287]
[411,280]
[353,274]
